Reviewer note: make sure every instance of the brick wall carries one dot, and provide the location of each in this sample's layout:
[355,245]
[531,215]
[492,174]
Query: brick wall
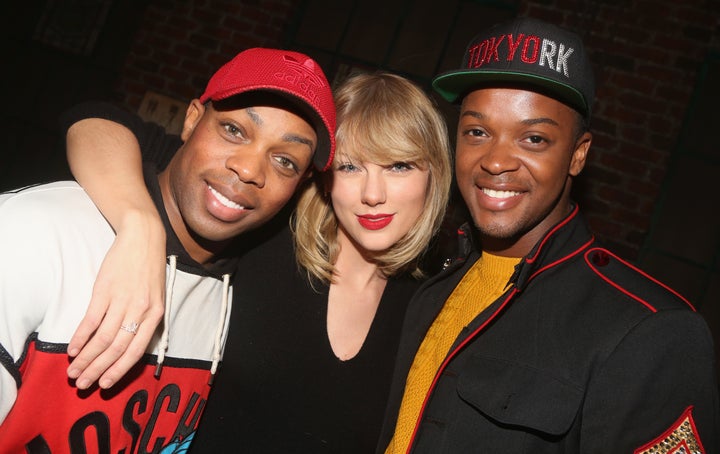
[181,43]
[646,54]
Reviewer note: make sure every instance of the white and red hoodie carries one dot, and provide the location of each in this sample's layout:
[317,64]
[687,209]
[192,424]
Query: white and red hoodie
[52,243]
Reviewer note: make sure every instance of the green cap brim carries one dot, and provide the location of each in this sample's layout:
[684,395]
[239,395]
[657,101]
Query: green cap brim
[452,85]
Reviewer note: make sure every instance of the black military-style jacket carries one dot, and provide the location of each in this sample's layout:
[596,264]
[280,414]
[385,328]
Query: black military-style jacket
[583,354]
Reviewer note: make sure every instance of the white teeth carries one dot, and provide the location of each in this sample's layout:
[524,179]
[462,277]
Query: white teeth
[499,194]
[224,200]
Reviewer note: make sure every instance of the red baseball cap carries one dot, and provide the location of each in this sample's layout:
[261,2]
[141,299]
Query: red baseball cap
[292,75]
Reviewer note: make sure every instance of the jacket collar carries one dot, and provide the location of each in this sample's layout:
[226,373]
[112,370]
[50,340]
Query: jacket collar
[564,240]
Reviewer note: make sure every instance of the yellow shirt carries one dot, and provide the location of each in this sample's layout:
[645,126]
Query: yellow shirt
[484,282]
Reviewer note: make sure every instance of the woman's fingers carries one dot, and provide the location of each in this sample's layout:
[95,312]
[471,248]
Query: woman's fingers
[115,369]
[127,305]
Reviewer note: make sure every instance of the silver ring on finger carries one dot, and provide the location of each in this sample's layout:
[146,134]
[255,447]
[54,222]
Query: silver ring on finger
[131,327]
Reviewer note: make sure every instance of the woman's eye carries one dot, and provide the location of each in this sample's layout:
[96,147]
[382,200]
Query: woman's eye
[401,166]
[347,167]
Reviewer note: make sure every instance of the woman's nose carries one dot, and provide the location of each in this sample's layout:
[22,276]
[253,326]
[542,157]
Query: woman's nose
[373,191]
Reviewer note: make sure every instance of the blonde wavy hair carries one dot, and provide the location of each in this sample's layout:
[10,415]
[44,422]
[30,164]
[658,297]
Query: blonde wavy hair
[388,119]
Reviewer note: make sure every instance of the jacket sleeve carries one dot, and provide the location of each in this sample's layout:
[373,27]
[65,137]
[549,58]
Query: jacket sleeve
[156,145]
[658,385]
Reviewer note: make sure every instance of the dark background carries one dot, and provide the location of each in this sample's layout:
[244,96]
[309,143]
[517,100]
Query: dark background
[649,189]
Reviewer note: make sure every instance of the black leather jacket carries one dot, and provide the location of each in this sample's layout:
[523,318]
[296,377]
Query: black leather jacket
[583,354]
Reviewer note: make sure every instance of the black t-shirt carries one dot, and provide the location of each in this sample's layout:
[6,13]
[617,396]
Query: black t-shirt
[280,388]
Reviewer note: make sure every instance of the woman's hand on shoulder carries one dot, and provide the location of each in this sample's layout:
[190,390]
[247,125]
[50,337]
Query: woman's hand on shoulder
[126,307]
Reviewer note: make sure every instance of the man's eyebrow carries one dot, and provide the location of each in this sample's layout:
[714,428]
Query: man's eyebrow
[254,116]
[541,120]
[257,119]
[299,139]
[474,114]
[528,122]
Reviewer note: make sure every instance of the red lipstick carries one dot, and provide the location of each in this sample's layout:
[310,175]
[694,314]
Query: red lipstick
[375,221]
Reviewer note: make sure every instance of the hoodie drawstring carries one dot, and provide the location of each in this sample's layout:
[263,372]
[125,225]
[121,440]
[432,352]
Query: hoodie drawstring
[220,329]
[165,338]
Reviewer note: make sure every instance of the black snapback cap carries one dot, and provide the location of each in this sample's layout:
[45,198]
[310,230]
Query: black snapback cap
[527,51]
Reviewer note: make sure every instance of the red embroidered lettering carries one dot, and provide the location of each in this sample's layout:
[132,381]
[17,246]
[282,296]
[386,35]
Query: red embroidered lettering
[474,53]
[530,57]
[492,50]
[481,52]
[513,45]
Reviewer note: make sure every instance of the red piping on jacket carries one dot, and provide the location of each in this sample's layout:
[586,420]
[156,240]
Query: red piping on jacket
[572,214]
[637,270]
[686,414]
[493,316]
[447,360]
[559,261]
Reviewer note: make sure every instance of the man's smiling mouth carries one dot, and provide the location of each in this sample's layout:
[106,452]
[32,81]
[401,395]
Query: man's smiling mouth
[499,194]
[224,200]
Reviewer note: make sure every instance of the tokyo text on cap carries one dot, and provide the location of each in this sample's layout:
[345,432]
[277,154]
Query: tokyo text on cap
[526,51]
[292,75]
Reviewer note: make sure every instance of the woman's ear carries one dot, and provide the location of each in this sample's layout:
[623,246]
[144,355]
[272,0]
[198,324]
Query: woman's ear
[577,162]
[194,112]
